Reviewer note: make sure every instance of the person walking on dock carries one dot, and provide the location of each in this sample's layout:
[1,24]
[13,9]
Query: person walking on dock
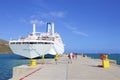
[70,57]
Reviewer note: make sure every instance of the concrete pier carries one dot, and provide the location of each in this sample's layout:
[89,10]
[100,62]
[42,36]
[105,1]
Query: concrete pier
[82,68]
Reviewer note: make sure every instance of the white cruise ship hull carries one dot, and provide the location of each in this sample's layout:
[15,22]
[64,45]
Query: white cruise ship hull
[36,50]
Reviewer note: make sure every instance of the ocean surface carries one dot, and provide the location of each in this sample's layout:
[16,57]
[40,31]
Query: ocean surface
[8,61]
[110,56]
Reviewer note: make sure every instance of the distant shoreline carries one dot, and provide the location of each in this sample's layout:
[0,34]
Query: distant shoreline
[6,53]
[4,47]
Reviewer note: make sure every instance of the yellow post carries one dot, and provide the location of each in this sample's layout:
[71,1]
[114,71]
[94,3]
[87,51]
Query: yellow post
[56,57]
[43,57]
[32,62]
[106,63]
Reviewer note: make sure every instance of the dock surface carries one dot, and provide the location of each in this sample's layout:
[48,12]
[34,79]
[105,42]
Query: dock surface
[82,68]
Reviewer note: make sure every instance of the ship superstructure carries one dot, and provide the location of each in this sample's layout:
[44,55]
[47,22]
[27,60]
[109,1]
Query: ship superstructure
[37,43]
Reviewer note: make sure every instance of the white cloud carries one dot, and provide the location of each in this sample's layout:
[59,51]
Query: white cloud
[71,28]
[68,26]
[39,22]
[53,14]
[80,33]
[75,30]
[58,14]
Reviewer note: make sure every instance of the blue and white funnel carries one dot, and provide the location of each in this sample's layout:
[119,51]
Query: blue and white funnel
[50,28]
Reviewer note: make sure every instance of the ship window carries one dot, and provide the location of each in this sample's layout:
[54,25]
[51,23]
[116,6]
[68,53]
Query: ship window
[27,43]
[24,43]
[48,43]
[44,43]
[40,42]
[12,43]
[33,42]
[18,42]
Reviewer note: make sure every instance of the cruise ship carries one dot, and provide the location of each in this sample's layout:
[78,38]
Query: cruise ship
[38,43]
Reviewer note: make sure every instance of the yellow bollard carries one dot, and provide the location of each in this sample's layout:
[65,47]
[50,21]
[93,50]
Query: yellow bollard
[32,62]
[56,58]
[43,57]
[106,63]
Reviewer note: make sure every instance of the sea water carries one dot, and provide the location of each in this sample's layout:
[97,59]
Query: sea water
[110,56]
[8,61]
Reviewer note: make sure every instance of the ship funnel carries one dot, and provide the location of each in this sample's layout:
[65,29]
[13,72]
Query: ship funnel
[34,29]
[50,28]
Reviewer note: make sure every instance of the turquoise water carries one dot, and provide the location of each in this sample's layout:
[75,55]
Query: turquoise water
[110,56]
[8,61]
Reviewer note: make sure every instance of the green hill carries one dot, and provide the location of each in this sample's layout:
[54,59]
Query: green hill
[4,47]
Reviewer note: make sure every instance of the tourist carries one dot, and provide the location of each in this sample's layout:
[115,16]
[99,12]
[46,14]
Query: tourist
[70,57]
[76,55]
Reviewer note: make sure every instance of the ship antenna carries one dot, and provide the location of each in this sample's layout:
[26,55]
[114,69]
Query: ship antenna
[34,28]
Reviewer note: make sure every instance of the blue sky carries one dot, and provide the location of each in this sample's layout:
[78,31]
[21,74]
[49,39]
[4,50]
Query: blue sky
[84,25]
